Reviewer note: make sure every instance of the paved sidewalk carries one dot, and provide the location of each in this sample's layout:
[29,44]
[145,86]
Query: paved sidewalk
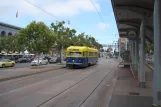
[8,74]
[128,94]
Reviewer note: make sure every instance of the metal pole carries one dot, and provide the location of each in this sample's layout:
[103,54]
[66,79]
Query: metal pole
[157,54]
[142,55]
[126,44]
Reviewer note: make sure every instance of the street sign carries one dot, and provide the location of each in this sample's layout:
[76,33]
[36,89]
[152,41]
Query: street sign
[132,35]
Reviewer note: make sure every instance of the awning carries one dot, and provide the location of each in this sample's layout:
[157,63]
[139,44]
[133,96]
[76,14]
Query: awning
[129,15]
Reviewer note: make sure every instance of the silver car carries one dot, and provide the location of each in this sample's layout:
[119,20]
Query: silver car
[42,61]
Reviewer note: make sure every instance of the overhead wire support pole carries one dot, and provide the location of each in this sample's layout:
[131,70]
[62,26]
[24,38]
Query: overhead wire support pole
[157,52]
[142,55]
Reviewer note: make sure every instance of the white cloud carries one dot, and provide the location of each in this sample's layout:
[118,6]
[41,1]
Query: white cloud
[103,26]
[59,8]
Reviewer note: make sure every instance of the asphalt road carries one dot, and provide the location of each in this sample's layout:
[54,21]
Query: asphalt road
[22,65]
[18,65]
[88,87]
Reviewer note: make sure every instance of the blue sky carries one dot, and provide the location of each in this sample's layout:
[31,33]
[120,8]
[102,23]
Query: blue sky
[81,13]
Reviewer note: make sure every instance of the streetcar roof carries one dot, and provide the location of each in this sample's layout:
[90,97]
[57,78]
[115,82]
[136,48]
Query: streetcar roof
[82,48]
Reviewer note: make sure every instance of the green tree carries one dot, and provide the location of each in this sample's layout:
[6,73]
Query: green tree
[63,36]
[19,43]
[149,48]
[72,36]
[37,38]
[66,37]
[9,44]
[82,40]
[98,45]
[86,40]
[1,44]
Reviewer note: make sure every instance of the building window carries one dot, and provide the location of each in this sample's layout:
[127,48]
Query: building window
[3,34]
[9,34]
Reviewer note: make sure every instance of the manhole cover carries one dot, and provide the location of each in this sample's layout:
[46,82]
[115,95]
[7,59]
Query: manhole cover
[134,93]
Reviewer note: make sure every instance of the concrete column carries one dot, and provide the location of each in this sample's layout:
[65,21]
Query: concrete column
[136,54]
[142,55]
[157,54]
[131,51]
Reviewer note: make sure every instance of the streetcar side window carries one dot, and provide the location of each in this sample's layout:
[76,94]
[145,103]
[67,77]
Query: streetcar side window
[91,53]
[96,54]
[83,54]
[75,54]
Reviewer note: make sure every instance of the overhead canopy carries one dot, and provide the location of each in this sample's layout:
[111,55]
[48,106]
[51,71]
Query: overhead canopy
[129,15]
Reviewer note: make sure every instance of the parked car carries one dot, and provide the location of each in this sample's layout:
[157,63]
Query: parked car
[59,59]
[29,59]
[53,60]
[48,58]
[6,63]
[22,60]
[42,61]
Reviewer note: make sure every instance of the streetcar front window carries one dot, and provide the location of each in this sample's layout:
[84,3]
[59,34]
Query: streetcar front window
[77,54]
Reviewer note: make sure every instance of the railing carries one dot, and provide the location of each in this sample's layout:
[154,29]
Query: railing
[150,60]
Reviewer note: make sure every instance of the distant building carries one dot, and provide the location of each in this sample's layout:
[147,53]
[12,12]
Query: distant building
[8,30]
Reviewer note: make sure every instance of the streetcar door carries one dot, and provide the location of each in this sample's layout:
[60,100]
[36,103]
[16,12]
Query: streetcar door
[85,54]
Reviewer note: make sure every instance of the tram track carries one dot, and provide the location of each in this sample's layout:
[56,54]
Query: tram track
[67,89]
[70,88]
[94,89]
[67,86]
[13,79]
[24,81]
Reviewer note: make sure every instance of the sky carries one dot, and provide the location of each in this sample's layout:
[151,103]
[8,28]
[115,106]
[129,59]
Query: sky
[81,13]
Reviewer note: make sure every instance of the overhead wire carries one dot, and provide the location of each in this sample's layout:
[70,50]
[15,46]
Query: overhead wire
[48,12]
[98,12]
[42,9]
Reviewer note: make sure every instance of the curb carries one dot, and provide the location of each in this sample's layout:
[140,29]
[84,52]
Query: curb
[25,75]
[150,67]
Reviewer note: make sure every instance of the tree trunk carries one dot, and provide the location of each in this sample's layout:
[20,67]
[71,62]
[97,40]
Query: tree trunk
[61,54]
[38,59]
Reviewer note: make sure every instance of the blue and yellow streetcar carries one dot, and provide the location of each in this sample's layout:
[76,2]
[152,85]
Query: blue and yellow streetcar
[81,56]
